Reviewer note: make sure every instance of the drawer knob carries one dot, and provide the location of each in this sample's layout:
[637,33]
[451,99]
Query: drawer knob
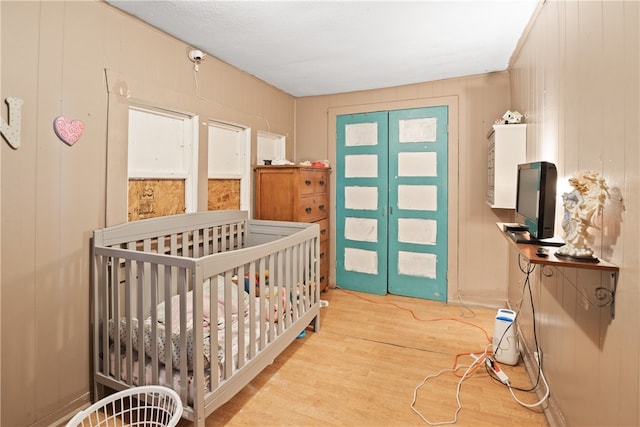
[322,255]
[308,182]
[308,210]
[321,207]
[322,182]
[323,231]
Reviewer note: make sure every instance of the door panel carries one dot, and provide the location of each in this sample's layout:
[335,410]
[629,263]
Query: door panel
[417,238]
[391,202]
[361,202]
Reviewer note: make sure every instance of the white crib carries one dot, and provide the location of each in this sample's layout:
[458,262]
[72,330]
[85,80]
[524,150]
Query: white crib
[201,302]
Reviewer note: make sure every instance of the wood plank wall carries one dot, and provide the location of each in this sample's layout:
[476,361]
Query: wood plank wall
[87,61]
[576,79]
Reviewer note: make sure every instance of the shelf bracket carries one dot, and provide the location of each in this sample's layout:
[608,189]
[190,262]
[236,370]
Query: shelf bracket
[613,283]
[607,296]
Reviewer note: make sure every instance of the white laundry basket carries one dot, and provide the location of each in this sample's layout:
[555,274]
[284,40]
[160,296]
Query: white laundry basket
[144,406]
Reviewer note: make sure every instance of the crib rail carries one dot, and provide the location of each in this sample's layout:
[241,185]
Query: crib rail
[189,235]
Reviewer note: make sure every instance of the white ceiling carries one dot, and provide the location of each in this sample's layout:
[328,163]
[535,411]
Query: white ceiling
[318,47]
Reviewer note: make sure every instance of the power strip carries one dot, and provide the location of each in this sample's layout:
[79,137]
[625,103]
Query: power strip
[493,365]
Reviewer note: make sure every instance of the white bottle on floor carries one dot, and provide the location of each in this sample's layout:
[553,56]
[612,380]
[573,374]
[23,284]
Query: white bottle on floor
[505,340]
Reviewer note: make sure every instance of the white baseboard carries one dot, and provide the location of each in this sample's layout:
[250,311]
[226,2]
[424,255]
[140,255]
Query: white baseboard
[550,407]
[487,301]
[63,415]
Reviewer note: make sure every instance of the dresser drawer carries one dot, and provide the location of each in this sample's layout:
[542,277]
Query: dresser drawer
[313,181]
[324,276]
[313,208]
[324,229]
[324,253]
[324,264]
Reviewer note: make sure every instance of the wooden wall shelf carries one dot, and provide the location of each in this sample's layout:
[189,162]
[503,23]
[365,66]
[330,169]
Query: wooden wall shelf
[529,251]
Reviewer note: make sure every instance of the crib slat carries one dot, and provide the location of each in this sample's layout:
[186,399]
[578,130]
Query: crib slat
[215,237]
[273,287]
[214,336]
[253,316]
[228,328]
[115,292]
[182,291]
[206,241]
[141,286]
[296,294]
[287,301]
[100,328]
[264,289]
[168,278]
[279,309]
[195,282]
[213,333]
[240,336]
[154,286]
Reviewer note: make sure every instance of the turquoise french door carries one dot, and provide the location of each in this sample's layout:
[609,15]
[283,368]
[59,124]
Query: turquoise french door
[362,201]
[391,202]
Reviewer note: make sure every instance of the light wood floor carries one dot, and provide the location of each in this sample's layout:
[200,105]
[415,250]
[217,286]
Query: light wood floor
[361,369]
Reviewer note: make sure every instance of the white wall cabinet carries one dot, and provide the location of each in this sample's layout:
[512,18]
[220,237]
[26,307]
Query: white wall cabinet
[507,147]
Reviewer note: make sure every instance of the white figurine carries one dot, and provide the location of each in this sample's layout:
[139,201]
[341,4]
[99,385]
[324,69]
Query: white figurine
[581,207]
[512,117]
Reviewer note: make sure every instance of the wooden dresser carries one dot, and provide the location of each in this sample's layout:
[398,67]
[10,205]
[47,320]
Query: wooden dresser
[299,194]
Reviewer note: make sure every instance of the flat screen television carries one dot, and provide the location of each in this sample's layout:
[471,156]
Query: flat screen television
[536,198]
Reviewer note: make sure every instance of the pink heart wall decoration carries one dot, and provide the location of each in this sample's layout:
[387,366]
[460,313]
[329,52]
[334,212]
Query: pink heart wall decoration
[69,131]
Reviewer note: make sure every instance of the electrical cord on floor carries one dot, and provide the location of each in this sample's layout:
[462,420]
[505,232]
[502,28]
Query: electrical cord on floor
[470,369]
[413,314]
[477,360]
[496,373]
[491,370]
[543,398]
[465,307]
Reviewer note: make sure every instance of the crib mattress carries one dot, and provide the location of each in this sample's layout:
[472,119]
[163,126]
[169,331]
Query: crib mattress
[175,379]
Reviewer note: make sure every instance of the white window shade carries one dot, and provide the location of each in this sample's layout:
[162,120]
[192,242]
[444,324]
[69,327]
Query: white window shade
[160,144]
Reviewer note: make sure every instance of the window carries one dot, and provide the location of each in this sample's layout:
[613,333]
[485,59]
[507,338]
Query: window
[162,163]
[229,167]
